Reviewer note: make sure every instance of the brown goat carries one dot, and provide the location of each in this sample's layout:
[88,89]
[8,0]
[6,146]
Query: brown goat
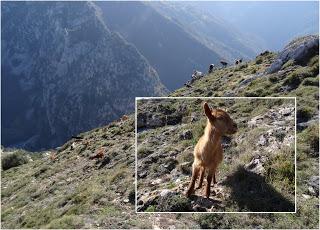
[53,156]
[208,153]
[124,118]
[99,154]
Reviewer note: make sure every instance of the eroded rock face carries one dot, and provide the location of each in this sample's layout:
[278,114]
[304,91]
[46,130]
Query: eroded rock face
[299,50]
[256,165]
[160,115]
[65,75]
[313,183]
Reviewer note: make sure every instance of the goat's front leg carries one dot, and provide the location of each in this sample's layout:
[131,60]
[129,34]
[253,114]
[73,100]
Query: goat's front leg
[195,173]
[209,179]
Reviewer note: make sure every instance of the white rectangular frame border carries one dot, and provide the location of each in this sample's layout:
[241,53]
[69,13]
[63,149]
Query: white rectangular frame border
[177,98]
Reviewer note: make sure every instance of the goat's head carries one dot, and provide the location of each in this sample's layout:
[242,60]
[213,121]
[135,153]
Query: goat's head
[220,120]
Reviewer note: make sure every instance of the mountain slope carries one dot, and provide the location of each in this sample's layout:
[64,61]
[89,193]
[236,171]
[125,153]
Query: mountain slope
[64,71]
[96,193]
[173,52]
[217,34]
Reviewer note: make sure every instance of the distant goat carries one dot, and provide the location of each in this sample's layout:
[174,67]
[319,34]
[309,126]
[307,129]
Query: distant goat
[208,153]
[238,61]
[124,118]
[195,76]
[211,68]
[223,63]
[53,156]
[99,155]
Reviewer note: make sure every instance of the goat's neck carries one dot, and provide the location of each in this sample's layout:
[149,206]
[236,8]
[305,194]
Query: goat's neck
[212,134]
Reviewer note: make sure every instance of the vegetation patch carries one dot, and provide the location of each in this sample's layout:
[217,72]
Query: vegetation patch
[14,159]
[173,203]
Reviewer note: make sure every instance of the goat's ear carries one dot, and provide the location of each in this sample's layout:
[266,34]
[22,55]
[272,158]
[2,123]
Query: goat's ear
[207,111]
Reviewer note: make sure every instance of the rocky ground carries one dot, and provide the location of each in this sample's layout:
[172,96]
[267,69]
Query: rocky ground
[72,187]
[168,130]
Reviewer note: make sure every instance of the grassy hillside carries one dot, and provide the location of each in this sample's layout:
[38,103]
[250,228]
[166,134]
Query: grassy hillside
[69,189]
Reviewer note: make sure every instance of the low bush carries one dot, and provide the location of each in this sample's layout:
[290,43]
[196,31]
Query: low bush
[212,221]
[280,170]
[143,152]
[304,114]
[14,159]
[173,203]
[311,81]
[288,63]
[259,60]
[295,78]
[309,139]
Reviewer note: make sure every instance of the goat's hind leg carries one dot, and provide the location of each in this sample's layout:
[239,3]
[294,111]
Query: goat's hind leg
[195,173]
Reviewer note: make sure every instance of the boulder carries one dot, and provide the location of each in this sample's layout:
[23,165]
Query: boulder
[156,121]
[186,135]
[141,120]
[262,140]
[256,165]
[174,119]
[299,50]
[313,183]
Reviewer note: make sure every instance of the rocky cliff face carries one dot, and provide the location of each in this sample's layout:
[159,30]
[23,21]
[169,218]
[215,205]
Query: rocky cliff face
[71,188]
[64,71]
[209,29]
[173,52]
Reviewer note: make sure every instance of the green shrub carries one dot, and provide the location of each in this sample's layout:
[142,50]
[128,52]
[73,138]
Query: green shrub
[258,92]
[67,221]
[292,80]
[13,159]
[241,66]
[280,169]
[304,114]
[132,195]
[295,78]
[212,221]
[174,203]
[259,60]
[151,208]
[118,176]
[309,140]
[314,61]
[273,79]
[143,152]
[288,63]
[253,71]
[311,81]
